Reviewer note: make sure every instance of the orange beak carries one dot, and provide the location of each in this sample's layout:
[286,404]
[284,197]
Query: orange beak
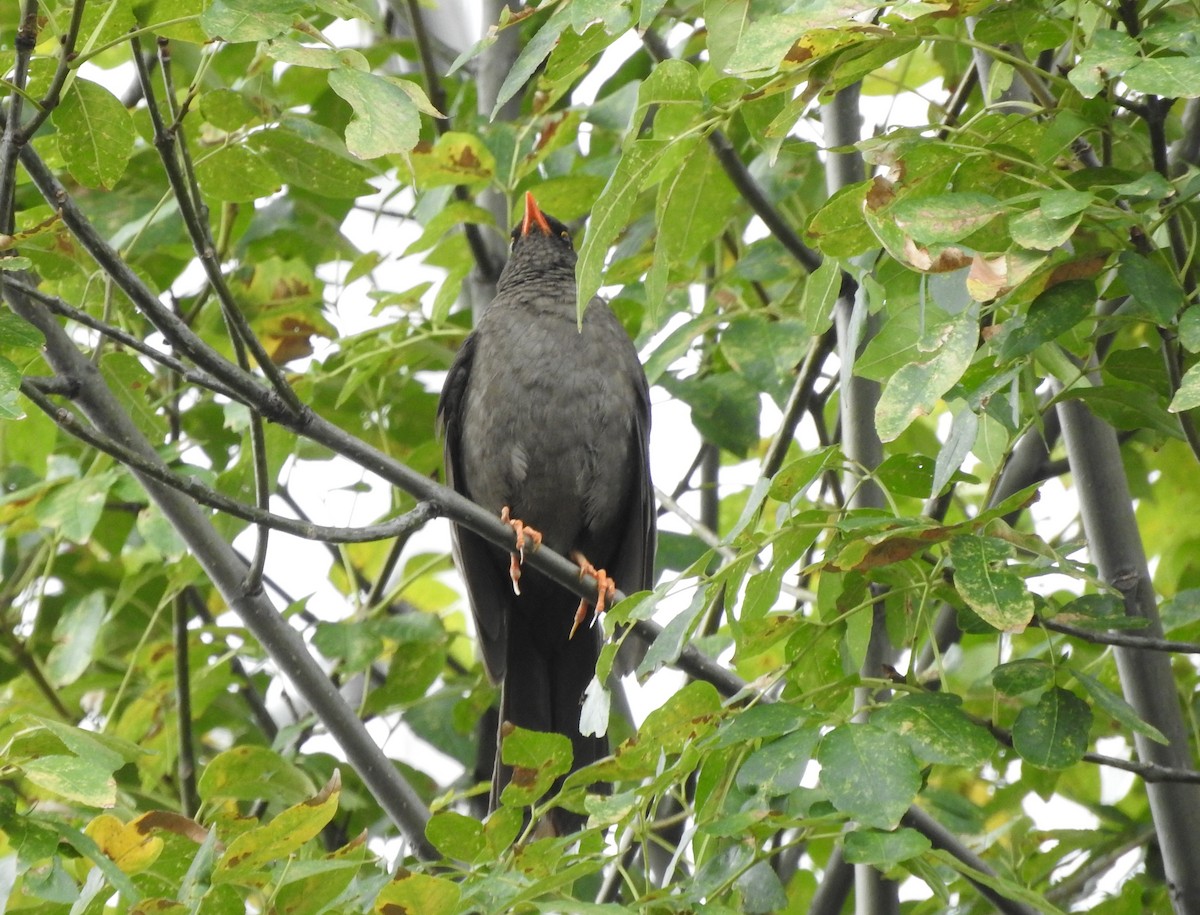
[533,216]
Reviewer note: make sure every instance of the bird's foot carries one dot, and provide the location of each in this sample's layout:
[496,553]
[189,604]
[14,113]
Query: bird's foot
[523,532]
[605,589]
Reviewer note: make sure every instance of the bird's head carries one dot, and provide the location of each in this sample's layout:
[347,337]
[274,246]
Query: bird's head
[541,238]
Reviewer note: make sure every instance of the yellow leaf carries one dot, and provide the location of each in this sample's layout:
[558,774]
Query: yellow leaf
[130,848]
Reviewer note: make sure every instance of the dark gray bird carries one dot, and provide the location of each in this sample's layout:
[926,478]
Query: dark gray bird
[548,426]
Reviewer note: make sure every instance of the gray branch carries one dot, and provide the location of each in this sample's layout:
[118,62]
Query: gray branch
[1116,547]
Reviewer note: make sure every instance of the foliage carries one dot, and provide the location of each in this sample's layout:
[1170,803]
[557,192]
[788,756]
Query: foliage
[919,647]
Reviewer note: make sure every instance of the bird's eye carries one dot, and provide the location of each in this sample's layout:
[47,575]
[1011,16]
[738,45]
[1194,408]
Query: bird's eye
[565,234]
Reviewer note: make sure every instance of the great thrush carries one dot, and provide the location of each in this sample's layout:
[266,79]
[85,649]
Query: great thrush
[548,426]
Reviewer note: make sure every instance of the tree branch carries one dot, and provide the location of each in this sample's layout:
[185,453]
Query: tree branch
[228,573]
[1116,547]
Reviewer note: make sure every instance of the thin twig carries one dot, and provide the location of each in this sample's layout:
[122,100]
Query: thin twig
[186,195]
[170,143]
[1124,639]
[798,401]
[137,344]
[70,423]
[66,54]
[736,169]
[11,141]
[484,262]
[250,389]
[189,797]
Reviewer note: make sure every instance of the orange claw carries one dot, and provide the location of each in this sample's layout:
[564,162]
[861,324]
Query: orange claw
[605,589]
[521,530]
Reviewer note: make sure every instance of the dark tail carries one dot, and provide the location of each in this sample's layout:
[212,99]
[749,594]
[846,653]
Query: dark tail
[545,677]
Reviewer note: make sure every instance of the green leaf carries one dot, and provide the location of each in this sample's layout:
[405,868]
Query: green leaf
[801,473]
[917,387]
[227,110]
[1051,314]
[1169,77]
[964,429]
[456,158]
[673,84]
[1150,186]
[821,290]
[1152,286]
[945,218]
[95,134]
[884,849]
[75,637]
[1129,406]
[725,408]
[873,794]
[1188,395]
[309,887]
[1189,329]
[279,838]
[761,890]
[1060,204]
[1108,55]
[992,590]
[84,780]
[906,475]
[102,749]
[316,161]
[249,20]
[1054,733]
[765,352]
[756,722]
[1022,676]
[417,661]
[456,835]
[611,212]
[17,333]
[246,773]
[357,644]
[535,51]
[287,51]
[682,719]
[160,535]
[386,119]
[16,262]
[936,729]
[417,892]
[183,16]
[838,228]
[1036,230]
[74,510]
[726,21]
[537,760]
[693,206]
[236,174]
[674,637]
[10,386]
[766,43]
[777,767]
[1117,707]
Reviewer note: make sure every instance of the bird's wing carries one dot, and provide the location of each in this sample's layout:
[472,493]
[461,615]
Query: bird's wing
[480,563]
[633,568]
